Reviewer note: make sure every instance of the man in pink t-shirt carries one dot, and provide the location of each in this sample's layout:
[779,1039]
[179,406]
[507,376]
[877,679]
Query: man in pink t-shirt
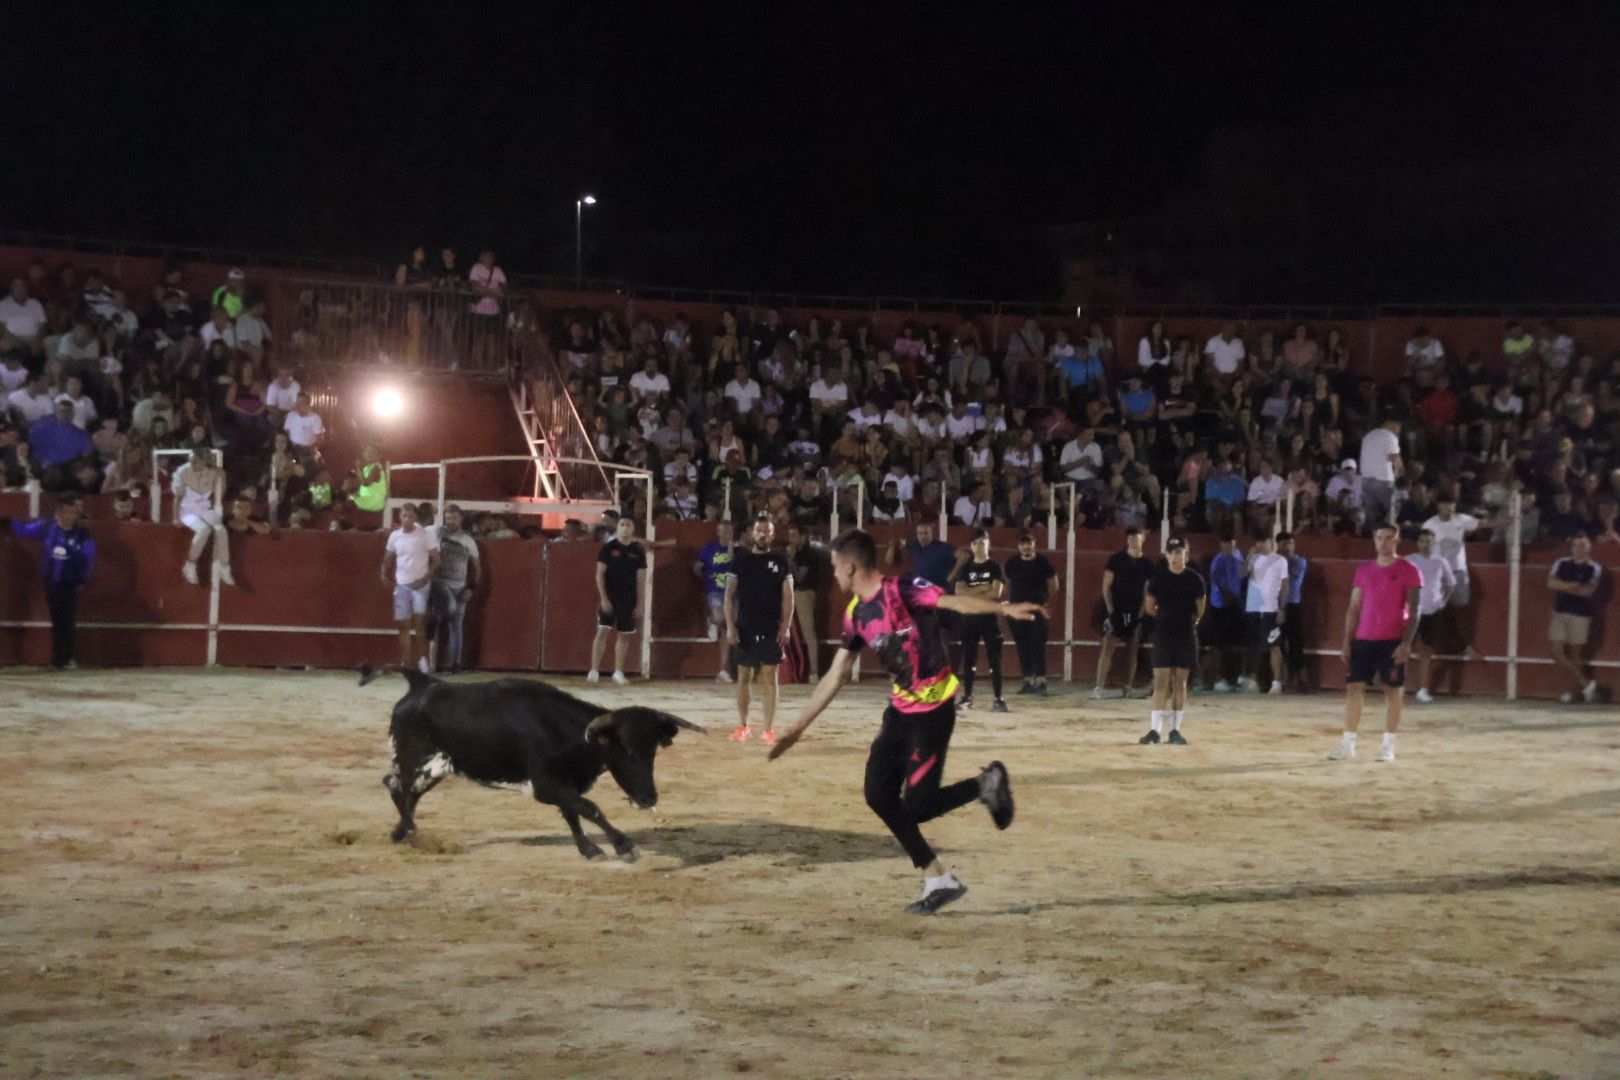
[1383,617]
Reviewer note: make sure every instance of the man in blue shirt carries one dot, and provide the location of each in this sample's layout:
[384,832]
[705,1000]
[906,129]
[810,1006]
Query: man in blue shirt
[69,555]
[1223,495]
[713,566]
[1293,630]
[57,441]
[931,559]
[1225,629]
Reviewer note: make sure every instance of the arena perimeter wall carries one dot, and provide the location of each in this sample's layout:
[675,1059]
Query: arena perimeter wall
[314,599]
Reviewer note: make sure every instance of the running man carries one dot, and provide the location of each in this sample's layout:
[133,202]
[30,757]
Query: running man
[1174,597]
[1124,577]
[759,615]
[1264,613]
[621,590]
[1438,583]
[713,567]
[899,621]
[1031,580]
[1574,581]
[410,560]
[199,505]
[980,576]
[1383,616]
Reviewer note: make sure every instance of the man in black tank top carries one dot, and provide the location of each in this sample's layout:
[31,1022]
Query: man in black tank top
[978,575]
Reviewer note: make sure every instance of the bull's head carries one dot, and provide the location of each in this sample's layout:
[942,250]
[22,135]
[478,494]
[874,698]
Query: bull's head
[629,740]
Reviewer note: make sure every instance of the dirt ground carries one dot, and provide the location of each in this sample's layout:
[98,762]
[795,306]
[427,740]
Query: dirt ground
[196,880]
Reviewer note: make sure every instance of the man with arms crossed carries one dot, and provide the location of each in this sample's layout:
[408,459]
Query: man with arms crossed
[1383,617]
[977,574]
[759,613]
[1573,580]
[621,589]
[1175,598]
[1031,579]
[409,562]
[899,621]
[1123,580]
[1438,583]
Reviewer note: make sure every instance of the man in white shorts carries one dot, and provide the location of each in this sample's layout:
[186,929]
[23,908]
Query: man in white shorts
[199,501]
[409,563]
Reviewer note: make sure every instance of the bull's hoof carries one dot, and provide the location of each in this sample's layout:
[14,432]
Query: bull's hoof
[628,853]
[401,831]
[590,851]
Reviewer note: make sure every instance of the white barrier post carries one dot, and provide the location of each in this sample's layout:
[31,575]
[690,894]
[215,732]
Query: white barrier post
[157,489]
[1514,536]
[725,510]
[944,514]
[860,505]
[33,497]
[1068,599]
[647,604]
[832,518]
[1164,521]
[439,516]
[273,496]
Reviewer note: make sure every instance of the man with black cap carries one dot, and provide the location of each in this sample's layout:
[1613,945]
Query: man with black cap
[1174,597]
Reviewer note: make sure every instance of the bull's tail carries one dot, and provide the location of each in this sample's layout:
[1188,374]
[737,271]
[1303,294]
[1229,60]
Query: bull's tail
[417,680]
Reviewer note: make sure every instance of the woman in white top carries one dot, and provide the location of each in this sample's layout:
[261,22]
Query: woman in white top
[1154,348]
[199,500]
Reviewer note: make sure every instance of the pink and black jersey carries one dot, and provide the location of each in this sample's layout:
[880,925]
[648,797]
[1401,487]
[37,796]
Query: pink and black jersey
[900,624]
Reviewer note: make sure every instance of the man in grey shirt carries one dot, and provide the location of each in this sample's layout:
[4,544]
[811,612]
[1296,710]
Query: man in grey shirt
[453,586]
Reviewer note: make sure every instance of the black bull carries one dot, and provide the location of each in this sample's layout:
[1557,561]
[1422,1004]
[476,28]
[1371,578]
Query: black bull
[521,731]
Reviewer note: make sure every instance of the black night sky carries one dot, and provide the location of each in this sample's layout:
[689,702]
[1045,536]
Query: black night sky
[1251,153]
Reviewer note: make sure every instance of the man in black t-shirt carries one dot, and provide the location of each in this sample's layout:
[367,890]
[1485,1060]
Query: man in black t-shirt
[808,561]
[1124,578]
[1030,579]
[759,611]
[1175,598]
[977,574]
[621,589]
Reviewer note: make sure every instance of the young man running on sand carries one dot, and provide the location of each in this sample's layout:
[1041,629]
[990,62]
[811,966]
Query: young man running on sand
[899,621]
[1174,597]
[1383,615]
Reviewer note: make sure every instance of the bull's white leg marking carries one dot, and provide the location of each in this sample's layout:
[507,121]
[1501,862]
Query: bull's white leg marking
[432,769]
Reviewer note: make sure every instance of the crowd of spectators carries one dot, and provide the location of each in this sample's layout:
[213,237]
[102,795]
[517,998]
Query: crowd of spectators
[1222,431]
[93,380]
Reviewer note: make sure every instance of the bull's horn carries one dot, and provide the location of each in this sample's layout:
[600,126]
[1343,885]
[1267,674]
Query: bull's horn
[689,726]
[598,726]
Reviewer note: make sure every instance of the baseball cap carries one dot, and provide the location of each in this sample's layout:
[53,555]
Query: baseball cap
[1175,543]
[235,274]
[1348,463]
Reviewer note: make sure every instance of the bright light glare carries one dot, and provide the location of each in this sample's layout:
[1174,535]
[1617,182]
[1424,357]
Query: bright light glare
[588,200]
[387,403]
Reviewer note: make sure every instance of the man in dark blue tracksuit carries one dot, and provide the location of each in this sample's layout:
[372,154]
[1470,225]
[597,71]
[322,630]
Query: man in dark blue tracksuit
[69,554]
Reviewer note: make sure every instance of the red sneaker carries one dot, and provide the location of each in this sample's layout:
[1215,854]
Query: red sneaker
[769,738]
[741,733]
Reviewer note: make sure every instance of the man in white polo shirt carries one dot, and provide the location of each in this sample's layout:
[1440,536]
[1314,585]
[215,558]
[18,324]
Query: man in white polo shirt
[1380,465]
[304,429]
[23,317]
[1225,351]
[1264,611]
[1264,491]
[744,392]
[409,563]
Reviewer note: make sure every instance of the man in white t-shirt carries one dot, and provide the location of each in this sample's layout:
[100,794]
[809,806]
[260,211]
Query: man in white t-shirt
[1225,350]
[32,402]
[867,416]
[84,409]
[829,394]
[1439,581]
[1424,356]
[900,421]
[1451,531]
[1264,491]
[304,428]
[1380,465]
[1082,459]
[23,317]
[410,561]
[1265,611]
[959,426]
[649,381]
[282,393]
[13,372]
[744,392]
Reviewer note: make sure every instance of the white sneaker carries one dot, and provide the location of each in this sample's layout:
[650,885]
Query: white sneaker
[714,632]
[222,574]
[594,677]
[189,572]
[618,677]
[722,676]
[1250,686]
[1386,752]
[1223,687]
[1589,691]
[422,666]
[1342,752]
[1423,695]
[1276,688]
[1567,697]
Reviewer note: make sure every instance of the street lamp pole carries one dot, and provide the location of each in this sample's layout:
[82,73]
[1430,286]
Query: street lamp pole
[579,235]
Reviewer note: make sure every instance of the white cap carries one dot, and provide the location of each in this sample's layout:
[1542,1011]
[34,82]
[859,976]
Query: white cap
[1348,463]
[235,274]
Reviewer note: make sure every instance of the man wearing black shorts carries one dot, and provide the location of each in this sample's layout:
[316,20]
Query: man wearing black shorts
[1382,616]
[1175,598]
[621,587]
[898,619]
[1124,578]
[979,575]
[759,611]
[1031,579]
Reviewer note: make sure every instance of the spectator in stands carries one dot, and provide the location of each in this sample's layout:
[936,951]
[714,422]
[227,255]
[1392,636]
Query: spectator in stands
[131,466]
[199,501]
[84,408]
[58,445]
[252,331]
[1026,363]
[243,520]
[454,583]
[488,283]
[1224,353]
[22,320]
[1265,492]
[79,350]
[13,371]
[1224,493]
[219,328]
[231,296]
[281,396]
[1379,466]
[32,402]
[304,428]
[744,394]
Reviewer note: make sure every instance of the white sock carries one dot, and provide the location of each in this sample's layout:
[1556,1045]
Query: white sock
[1350,739]
[1389,740]
[1175,720]
[947,880]
[1155,720]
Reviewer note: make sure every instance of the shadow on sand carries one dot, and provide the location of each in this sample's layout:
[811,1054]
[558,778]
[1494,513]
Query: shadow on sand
[710,842]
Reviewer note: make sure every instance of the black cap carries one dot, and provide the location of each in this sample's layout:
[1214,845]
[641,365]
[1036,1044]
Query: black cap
[1175,543]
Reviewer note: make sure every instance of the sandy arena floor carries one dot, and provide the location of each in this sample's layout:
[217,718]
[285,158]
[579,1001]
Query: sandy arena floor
[197,881]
